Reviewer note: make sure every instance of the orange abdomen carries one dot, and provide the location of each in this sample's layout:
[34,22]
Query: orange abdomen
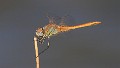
[67,28]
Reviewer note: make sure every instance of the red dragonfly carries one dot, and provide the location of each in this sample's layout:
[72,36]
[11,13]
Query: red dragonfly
[52,29]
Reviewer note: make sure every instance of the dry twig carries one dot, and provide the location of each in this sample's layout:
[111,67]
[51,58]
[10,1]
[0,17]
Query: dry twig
[36,52]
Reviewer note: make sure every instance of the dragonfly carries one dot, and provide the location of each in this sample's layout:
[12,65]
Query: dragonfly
[52,29]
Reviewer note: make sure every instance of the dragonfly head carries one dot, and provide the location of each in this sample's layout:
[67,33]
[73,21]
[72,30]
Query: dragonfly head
[39,32]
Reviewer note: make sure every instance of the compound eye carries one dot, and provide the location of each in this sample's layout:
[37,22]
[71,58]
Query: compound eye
[40,34]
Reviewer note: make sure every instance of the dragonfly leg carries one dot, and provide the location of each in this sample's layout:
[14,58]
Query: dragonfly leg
[48,41]
[45,48]
[43,51]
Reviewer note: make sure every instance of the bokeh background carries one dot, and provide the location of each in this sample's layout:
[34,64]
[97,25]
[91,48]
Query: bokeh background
[90,47]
